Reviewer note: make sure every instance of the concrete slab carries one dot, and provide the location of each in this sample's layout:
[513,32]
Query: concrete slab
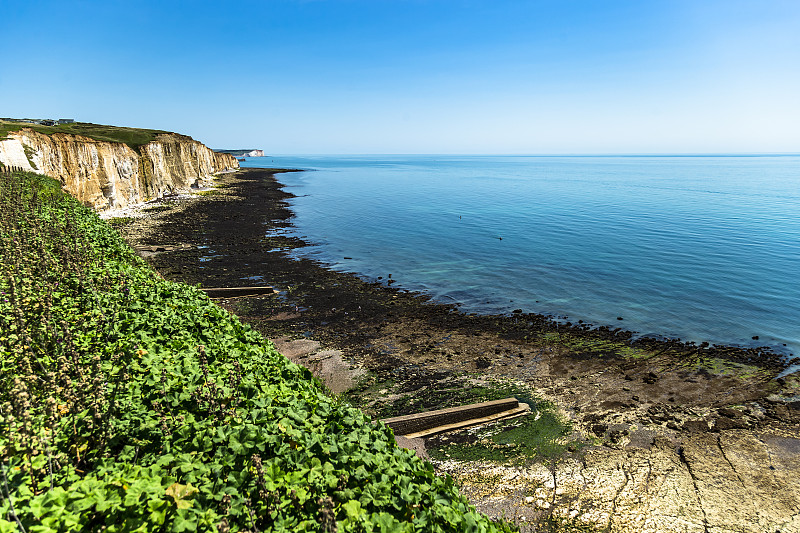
[417,445]
[296,349]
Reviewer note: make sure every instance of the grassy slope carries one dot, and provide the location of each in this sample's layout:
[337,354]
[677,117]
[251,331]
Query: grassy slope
[131,403]
[133,137]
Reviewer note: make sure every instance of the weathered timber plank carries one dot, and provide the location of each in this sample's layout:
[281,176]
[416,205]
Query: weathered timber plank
[408,424]
[232,292]
[522,410]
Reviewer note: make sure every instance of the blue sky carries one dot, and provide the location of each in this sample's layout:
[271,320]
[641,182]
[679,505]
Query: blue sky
[376,76]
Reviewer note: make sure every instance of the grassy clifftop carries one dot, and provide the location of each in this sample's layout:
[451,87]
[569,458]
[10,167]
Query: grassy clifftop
[130,403]
[133,137]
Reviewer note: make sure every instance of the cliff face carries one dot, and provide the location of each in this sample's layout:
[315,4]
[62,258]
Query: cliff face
[109,175]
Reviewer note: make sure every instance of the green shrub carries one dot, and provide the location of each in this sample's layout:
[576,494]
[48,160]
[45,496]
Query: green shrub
[130,403]
[133,137]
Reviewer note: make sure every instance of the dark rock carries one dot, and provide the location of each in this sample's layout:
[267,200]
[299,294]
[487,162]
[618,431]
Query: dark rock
[779,411]
[730,413]
[612,405]
[615,437]
[482,362]
[650,378]
[724,423]
[696,426]
[599,429]
[642,438]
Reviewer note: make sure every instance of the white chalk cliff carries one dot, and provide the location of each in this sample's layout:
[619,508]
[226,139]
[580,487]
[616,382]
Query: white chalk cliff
[108,175]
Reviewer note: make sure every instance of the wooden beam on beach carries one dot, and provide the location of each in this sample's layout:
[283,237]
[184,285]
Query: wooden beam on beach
[161,247]
[443,420]
[146,250]
[236,292]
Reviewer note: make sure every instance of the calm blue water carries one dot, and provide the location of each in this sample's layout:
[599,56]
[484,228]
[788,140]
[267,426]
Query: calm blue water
[700,248]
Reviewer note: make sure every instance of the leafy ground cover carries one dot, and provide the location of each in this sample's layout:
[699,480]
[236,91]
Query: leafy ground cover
[130,403]
[133,137]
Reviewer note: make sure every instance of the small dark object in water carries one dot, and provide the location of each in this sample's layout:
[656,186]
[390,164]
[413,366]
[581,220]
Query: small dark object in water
[348,257]
[755,337]
[619,318]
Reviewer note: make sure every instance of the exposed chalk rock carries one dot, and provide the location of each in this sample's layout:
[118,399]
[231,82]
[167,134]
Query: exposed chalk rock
[110,175]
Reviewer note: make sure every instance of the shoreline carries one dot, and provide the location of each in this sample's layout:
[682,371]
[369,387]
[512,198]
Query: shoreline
[665,284]
[764,355]
[622,397]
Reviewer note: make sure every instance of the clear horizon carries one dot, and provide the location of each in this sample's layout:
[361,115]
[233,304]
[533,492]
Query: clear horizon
[418,77]
[500,154]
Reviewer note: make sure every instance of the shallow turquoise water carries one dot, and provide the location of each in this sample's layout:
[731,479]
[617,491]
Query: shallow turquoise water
[704,248]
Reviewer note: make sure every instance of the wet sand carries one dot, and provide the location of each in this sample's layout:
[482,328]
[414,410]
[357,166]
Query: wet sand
[400,353]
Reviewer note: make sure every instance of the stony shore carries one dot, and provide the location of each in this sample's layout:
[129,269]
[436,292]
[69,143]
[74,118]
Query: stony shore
[664,436]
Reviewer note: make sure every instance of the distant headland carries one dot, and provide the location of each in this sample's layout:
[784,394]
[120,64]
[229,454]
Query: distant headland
[245,152]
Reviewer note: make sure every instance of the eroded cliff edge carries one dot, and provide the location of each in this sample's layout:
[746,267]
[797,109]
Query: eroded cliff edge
[109,175]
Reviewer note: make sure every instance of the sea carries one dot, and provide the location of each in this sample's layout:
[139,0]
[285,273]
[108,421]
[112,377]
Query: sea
[695,247]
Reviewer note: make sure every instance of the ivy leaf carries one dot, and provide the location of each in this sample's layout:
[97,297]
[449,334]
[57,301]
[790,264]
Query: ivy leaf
[182,494]
[353,509]
[182,524]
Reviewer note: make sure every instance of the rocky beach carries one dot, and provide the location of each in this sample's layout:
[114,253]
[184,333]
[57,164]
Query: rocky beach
[651,435]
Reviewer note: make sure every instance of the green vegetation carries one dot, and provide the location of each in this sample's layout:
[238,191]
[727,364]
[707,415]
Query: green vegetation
[722,367]
[156,209]
[130,403]
[133,137]
[541,435]
[596,347]
[29,155]
[118,222]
